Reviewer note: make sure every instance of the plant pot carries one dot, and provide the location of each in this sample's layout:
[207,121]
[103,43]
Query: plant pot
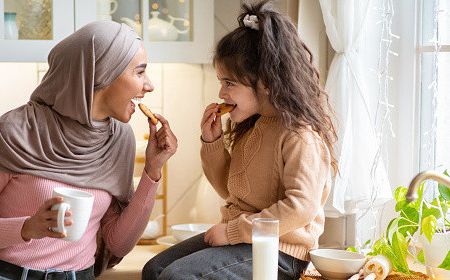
[434,254]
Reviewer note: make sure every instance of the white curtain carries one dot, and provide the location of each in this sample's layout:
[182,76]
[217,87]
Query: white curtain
[358,184]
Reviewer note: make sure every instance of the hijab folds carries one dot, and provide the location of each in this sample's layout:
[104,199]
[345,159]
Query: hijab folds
[54,136]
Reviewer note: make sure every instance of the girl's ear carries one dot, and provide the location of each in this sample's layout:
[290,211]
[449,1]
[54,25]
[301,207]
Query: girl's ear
[261,88]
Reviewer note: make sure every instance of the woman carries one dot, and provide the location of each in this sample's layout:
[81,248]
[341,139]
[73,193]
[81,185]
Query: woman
[73,133]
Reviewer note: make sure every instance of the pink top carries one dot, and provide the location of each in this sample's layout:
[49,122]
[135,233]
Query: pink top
[22,195]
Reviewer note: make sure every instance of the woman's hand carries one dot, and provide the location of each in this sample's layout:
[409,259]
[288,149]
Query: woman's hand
[38,226]
[211,124]
[217,235]
[162,144]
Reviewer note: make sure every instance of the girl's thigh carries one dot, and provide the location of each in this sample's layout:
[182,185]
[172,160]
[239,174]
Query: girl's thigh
[224,262]
[228,262]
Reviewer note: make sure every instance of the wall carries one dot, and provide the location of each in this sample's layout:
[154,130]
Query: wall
[312,31]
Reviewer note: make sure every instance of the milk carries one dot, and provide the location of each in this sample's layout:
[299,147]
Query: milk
[265,257]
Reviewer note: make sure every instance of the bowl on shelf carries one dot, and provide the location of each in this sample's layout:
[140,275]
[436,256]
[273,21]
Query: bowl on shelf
[184,231]
[337,264]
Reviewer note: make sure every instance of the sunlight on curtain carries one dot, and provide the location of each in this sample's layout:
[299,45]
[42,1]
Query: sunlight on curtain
[435,102]
[443,114]
[357,182]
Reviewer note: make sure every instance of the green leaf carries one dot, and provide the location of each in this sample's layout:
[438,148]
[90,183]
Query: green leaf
[400,248]
[431,211]
[418,201]
[429,225]
[366,243]
[421,257]
[446,263]
[409,221]
[381,247]
[444,191]
[443,203]
[391,228]
[400,205]
[352,249]
[400,193]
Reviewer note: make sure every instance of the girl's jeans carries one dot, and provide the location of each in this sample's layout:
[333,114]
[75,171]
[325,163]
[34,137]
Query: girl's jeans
[194,259]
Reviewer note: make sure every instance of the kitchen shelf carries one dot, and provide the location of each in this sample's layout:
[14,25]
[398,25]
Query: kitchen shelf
[70,15]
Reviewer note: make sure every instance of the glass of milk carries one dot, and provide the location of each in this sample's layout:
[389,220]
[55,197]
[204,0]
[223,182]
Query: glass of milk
[265,248]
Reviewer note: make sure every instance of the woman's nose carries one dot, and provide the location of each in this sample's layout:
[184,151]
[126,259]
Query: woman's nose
[148,86]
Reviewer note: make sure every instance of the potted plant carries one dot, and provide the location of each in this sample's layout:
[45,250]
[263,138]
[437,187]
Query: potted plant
[431,219]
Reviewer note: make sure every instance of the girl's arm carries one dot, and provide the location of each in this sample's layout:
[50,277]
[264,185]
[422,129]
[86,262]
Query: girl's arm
[305,175]
[10,228]
[216,165]
[121,231]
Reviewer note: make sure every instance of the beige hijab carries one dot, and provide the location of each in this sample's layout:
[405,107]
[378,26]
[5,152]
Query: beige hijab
[53,136]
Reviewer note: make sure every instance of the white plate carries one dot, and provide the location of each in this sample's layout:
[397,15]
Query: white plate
[168,240]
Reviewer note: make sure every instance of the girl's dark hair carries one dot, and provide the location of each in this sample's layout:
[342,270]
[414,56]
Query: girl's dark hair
[277,57]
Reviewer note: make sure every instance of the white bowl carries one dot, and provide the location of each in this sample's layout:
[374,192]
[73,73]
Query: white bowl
[184,231]
[337,264]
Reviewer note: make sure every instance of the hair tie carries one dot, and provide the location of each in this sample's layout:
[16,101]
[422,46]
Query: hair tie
[251,21]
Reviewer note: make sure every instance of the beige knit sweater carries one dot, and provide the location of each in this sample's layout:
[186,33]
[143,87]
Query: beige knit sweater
[272,172]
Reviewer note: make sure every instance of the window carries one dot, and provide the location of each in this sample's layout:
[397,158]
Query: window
[434,84]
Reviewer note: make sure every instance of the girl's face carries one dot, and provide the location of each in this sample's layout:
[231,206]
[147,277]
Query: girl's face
[233,92]
[115,100]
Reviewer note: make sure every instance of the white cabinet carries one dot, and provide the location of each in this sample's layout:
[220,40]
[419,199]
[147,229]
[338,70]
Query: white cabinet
[40,23]
[176,30]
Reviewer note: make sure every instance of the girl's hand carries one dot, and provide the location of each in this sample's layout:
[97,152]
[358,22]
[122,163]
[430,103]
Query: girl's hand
[211,125]
[217,235]
[162,144]
[39,225]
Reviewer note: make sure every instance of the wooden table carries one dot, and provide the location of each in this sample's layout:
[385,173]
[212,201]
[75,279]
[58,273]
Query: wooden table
[131,266]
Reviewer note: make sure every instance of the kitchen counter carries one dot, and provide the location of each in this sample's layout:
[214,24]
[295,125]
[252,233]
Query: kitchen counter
[131,266]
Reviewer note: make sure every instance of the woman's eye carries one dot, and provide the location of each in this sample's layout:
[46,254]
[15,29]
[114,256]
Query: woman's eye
[228,84]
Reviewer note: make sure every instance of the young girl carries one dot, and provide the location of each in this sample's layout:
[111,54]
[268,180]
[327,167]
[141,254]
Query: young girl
[274,160]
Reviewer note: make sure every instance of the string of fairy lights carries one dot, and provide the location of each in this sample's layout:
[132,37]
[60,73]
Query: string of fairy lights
[430,136]
[384,107]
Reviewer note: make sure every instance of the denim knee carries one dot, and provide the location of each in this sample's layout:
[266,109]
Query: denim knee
[151,270]
[175,273]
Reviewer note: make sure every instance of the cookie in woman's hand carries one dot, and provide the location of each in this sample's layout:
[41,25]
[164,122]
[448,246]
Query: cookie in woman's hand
[148,113]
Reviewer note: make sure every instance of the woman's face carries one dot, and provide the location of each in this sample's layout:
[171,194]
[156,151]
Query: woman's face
[233,92]
[115,100]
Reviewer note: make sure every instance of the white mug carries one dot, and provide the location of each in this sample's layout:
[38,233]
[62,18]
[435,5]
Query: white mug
[105,8]
[80,203]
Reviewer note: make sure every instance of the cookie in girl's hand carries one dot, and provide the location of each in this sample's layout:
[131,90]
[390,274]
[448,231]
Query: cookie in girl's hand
[225,108]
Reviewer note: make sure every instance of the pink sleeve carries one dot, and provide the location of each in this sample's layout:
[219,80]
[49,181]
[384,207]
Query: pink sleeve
[122,231]
[10,228]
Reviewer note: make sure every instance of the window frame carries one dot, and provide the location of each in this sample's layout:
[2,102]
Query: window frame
[425,102]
